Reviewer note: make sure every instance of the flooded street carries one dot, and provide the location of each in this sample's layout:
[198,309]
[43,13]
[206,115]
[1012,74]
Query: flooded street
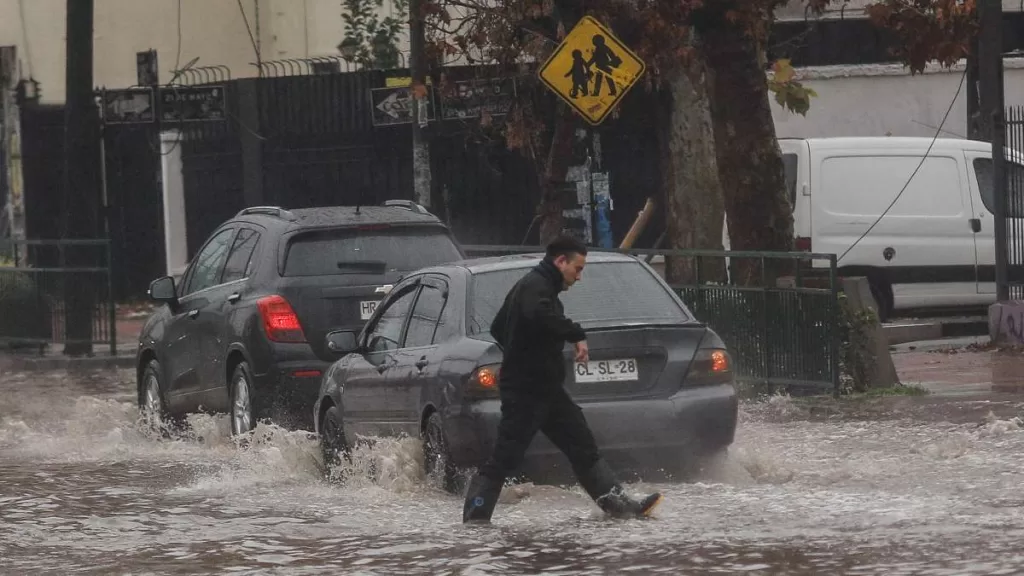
[84,490]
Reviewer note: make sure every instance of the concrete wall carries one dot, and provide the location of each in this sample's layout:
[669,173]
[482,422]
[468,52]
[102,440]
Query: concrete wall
[881,100]
[213,30]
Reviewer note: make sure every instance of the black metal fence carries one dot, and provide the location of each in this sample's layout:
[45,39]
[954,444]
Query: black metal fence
[1014,174]
[58,292]
[784,334]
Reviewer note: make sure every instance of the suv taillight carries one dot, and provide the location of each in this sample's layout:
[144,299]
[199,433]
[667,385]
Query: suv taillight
[279,320]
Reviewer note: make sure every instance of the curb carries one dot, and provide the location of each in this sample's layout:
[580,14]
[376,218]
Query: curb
[43,363]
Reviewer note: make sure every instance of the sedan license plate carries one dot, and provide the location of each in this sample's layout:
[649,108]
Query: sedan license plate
[624,369]
[366,309]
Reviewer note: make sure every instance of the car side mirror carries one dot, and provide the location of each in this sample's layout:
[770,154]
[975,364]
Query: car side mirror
[342,342]
[163,290]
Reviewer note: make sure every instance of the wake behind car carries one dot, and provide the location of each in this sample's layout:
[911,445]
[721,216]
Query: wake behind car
[244,331]
[658,388]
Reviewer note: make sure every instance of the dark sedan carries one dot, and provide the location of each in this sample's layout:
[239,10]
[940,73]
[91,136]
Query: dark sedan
[658,389]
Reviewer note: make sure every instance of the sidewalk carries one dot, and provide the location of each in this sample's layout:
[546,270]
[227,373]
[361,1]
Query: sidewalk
[971,369]
[129,323]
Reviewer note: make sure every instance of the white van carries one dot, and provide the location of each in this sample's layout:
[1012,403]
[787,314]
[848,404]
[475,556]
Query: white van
[934,247]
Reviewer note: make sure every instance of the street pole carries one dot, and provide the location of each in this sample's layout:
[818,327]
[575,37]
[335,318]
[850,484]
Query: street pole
[990,75]
[418,71]
[81,159]
[974,122]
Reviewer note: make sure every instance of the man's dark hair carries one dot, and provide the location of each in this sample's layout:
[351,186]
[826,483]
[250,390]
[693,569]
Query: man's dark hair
[565,246]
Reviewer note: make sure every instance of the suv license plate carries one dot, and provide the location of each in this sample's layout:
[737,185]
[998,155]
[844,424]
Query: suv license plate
[366,309]
[623,369]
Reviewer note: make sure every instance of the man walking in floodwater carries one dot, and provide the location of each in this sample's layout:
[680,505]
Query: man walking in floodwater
[532,330]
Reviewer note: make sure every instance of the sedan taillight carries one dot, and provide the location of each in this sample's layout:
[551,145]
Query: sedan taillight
[710,366]
[280,321]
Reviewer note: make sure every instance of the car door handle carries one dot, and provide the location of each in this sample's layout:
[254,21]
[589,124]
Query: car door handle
[234,298]
[193,313]
[422,363]
[975,225]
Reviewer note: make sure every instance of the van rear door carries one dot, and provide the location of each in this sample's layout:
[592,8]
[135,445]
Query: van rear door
[796,156]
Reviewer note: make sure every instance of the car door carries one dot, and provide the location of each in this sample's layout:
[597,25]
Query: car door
[364,396]
[417,361]
[215,320]
[182,350]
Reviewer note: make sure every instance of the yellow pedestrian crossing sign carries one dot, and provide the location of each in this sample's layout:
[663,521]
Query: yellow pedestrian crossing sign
[591,70]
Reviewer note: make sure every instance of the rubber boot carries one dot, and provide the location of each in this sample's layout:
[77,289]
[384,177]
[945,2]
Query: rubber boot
[601,485]
[481,498]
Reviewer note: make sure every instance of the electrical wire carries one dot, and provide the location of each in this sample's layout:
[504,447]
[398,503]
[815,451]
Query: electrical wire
[252,39]
[24,36]
[939,131]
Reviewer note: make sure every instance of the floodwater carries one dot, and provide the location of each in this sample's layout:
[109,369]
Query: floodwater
[84,490]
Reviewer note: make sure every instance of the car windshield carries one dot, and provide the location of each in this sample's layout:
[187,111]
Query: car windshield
[609,294]
[353,251]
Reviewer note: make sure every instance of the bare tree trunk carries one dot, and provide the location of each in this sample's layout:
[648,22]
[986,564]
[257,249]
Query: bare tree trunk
[691,191]
[555,169]
[760,216]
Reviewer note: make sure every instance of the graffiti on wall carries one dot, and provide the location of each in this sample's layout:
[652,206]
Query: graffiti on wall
[1006,322]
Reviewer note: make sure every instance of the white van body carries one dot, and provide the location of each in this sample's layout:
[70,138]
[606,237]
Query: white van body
[924,251]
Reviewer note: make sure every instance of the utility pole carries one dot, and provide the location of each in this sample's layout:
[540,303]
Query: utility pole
[974,122]
[418,71]
[990,76]
[81,159]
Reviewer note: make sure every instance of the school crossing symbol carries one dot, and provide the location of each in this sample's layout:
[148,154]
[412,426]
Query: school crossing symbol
[591,70]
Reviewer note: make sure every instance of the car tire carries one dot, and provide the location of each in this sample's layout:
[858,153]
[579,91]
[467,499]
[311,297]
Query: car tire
[333,445]
[243,413]
[152,405]
[437,459]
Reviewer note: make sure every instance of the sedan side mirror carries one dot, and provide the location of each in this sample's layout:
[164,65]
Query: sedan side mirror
[342,342]
[163,290]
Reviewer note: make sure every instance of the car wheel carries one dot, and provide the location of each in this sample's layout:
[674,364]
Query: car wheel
[437,459]
[332,442]
[152,407]
[243,416]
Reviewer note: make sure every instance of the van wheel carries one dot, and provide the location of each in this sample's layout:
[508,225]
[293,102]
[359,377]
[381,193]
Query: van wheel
[881,291]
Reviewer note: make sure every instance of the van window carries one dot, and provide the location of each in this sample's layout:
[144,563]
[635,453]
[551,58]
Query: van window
[789,165]
[1014,187]
[866,185]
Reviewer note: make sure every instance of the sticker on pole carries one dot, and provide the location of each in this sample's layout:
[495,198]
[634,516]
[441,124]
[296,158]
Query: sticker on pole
[591,70]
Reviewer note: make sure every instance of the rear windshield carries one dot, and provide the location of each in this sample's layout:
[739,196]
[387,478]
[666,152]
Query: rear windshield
[349,251]
[610,293]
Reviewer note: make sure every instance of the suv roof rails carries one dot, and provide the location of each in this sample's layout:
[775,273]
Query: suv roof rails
[268,211]
[408,205]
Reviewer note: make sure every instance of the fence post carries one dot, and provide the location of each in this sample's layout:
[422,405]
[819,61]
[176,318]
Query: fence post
[833,284]
[111,305]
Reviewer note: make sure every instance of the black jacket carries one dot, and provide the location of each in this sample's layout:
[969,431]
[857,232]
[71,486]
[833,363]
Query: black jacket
[532,330]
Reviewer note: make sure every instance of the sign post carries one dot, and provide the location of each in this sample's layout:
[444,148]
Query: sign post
[591,70]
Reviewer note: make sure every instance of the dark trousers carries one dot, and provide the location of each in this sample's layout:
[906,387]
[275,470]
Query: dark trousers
[523,414]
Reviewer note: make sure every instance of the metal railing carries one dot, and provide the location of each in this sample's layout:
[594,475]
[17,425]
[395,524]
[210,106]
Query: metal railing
[1014,185]
[58,292]
[784,334]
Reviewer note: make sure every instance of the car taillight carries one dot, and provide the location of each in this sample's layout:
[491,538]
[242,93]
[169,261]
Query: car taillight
[485,379]
[279,320]
[802,244]
[710,366]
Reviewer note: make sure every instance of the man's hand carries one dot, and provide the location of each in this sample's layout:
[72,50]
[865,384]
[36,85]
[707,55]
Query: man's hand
[582,351]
